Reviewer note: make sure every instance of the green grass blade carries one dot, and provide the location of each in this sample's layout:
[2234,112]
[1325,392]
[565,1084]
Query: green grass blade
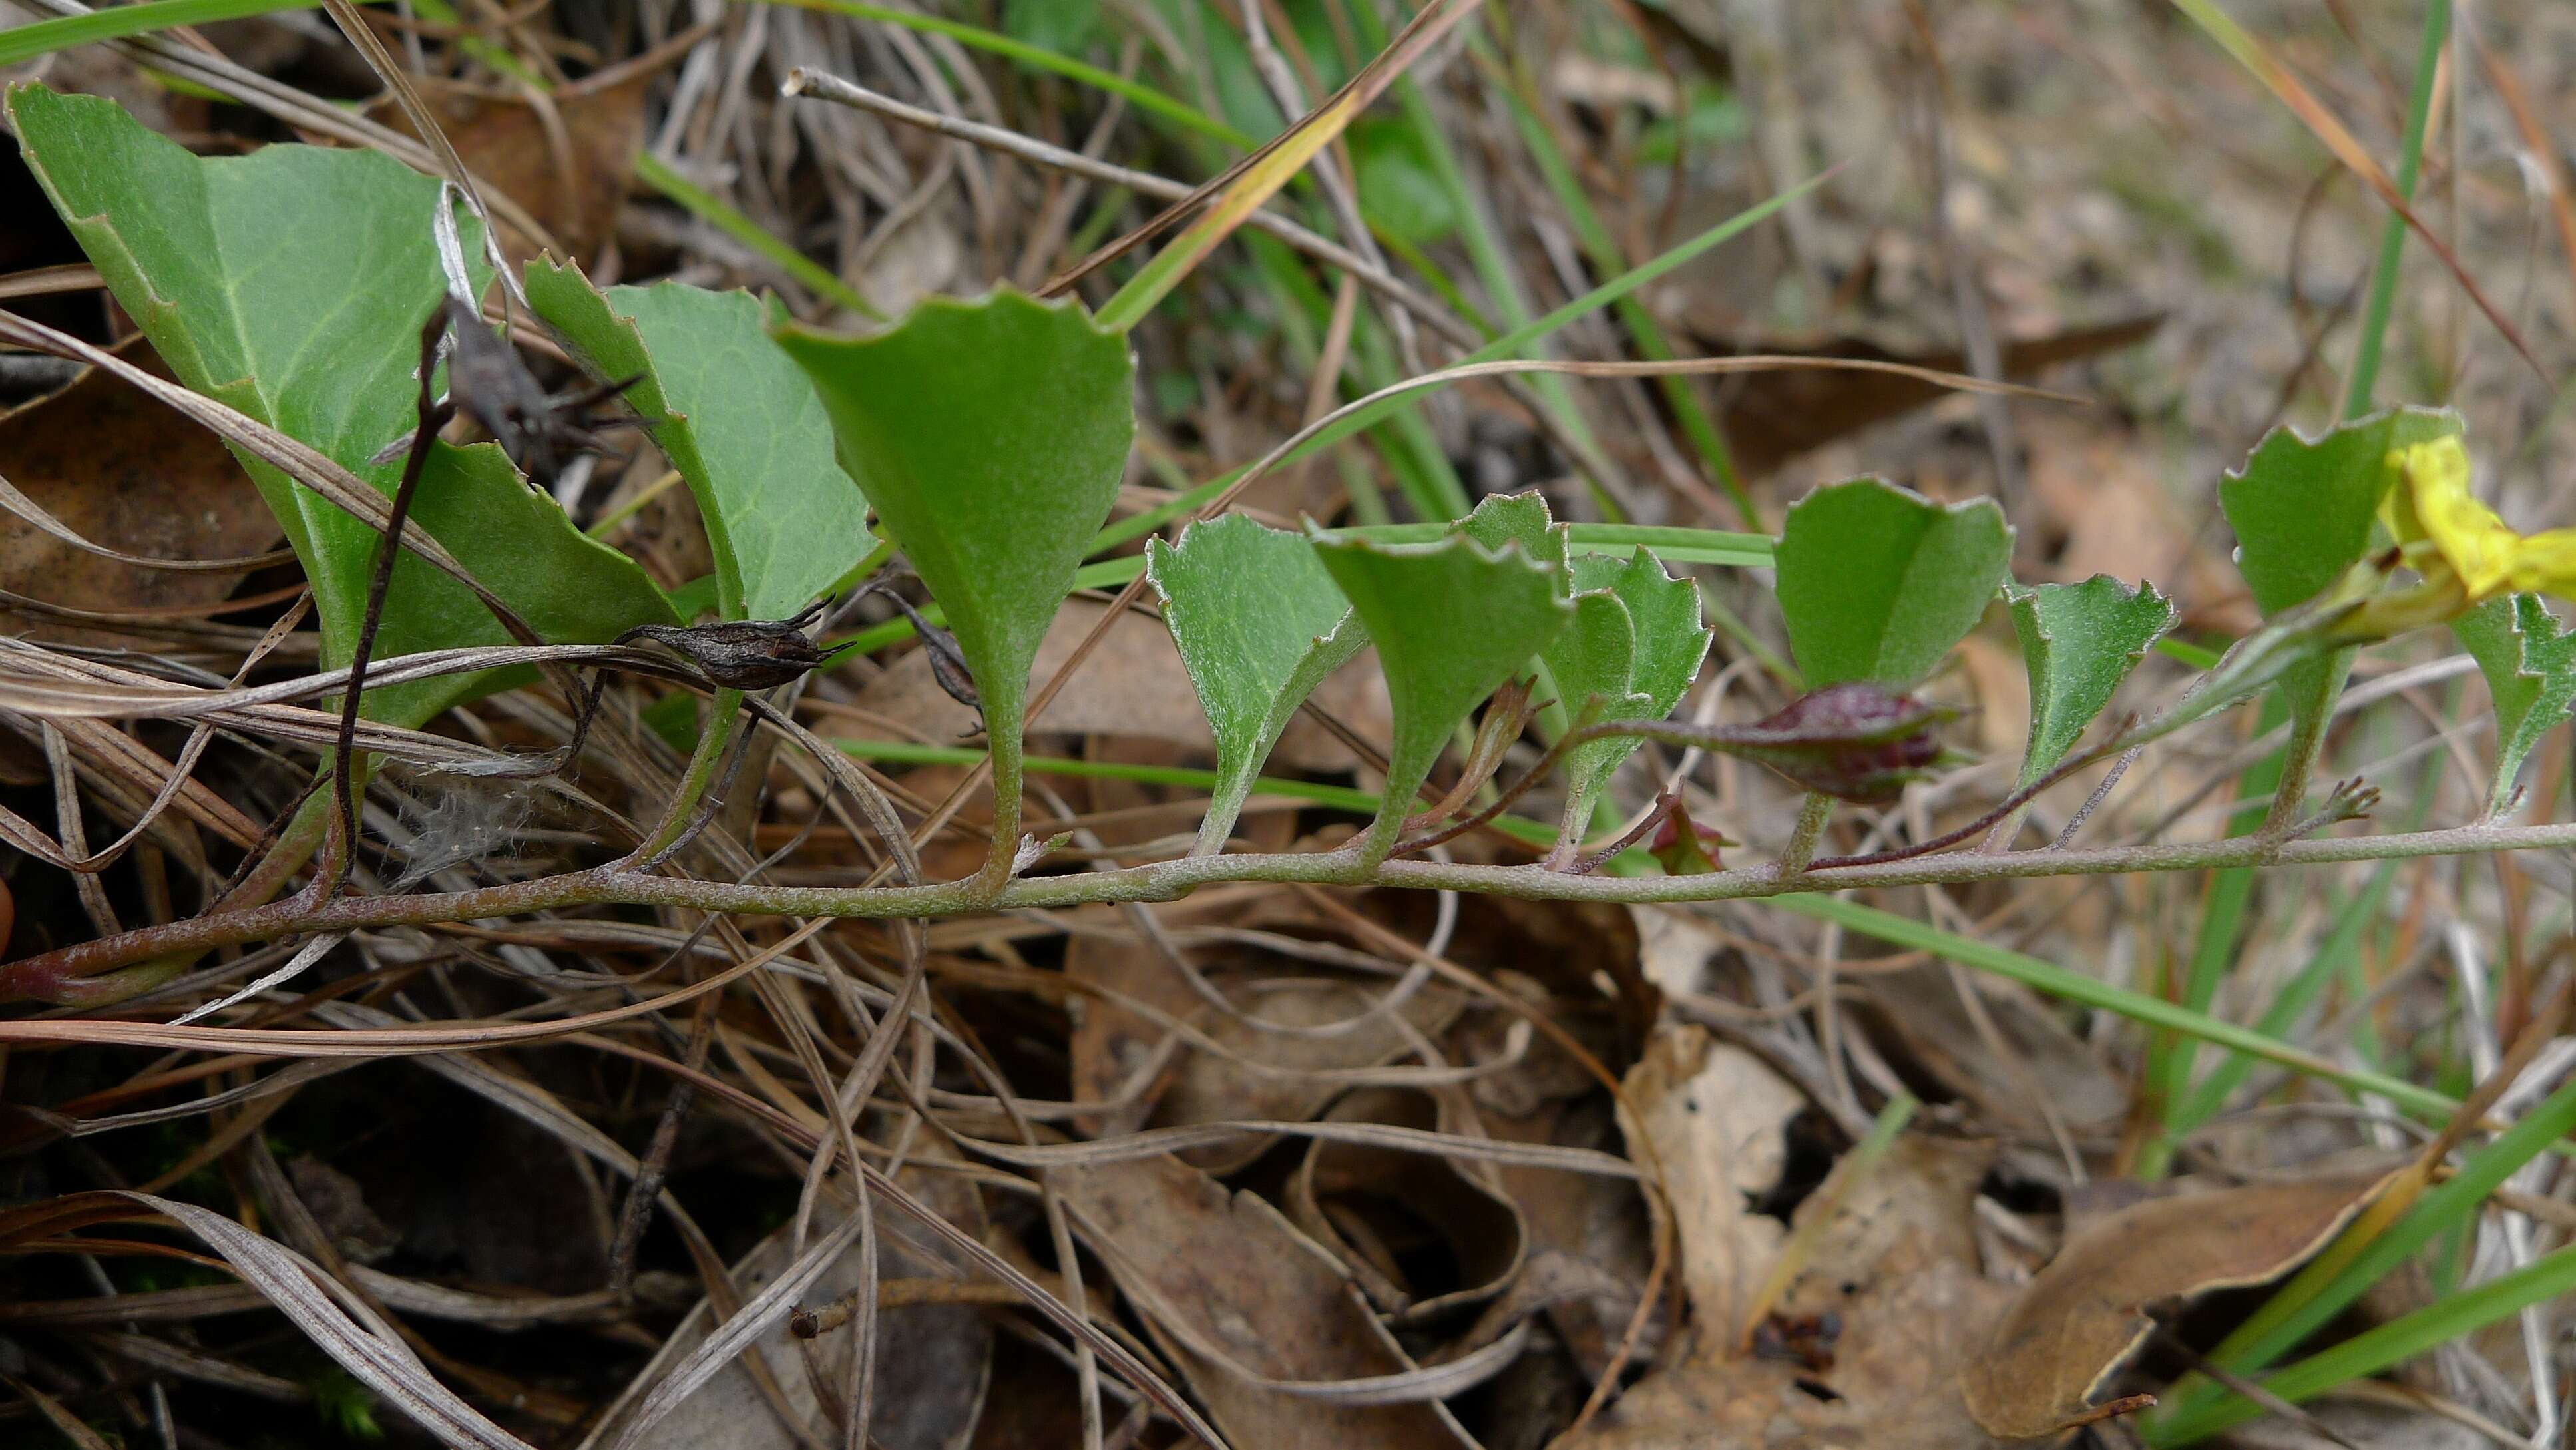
[2391,1344]
[2323,1290]
[1609,258]
[44,37]
[1020,52]
[2057,981]
[2392,235]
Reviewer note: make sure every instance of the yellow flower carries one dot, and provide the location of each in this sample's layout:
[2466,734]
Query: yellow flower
[2432,505]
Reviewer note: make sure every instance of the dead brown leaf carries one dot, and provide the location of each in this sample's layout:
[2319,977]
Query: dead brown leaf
[567,161]
[121,470]
[933,1359]
[2077,1322]
[1273,1058]
[1920,1011]
[1714,1116]
[1888,1304]
[1132,683]
[1259,1318]
[1378,1207]
[1773,417]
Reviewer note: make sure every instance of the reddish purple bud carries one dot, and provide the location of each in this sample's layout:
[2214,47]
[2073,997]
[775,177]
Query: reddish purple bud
[1685,847]
[1858,742]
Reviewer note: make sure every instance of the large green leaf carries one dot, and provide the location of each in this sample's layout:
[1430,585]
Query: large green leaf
[1259,625]
[2079,641]
[990,435]
[1878,582]
[1452,621]
[291,284]
[2302,509]
[736,417]
[2530,665]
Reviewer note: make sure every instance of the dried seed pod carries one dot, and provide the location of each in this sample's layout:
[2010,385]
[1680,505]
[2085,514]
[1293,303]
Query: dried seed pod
[1857,742]
[742,654]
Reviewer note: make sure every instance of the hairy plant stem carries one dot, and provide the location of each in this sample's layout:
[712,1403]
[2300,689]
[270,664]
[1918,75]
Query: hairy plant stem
[1171,880]
[1813,812]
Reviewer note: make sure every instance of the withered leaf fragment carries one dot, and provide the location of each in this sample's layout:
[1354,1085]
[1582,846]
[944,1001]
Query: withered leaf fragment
[493,387]
[947,663]
[1857,742]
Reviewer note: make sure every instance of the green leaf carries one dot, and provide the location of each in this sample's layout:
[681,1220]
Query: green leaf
[1663,643]
[736,417]
[1879,582]
[2079,641]
[2530,665]
[1672,639]
[1504,519]
[1402,192]
[291,284]
[1259,624]
[990,435]
[2302,510]
[1452,622]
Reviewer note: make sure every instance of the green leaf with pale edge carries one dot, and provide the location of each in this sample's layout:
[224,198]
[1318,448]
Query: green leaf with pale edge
[1878,582]
[990,435]
[291,284]
[1502,520]
[1452,621]
[736,417]
[1259,624]
[2079,641]
[2530,665]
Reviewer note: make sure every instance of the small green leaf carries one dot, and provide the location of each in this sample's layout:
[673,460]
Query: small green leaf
[2079,641]
[291,284]
[1663,644]
[1504,519]
[1398,185]
[1878,582]
[1452,622]
[1259,624]
[990,435]
[736,417]
[2302,510]
[2530,665]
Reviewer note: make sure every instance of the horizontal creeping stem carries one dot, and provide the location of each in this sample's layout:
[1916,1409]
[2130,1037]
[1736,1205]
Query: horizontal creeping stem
[1170,880]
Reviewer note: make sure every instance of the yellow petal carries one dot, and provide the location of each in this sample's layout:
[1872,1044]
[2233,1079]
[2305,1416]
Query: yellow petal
[2546,564]
[2481,548]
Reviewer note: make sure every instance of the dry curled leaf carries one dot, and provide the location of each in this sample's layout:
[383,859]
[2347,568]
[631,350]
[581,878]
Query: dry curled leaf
[1379,1208]
[2075,1324]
